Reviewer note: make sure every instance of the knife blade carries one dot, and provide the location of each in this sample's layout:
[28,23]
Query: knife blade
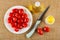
[37,23]
[42,15]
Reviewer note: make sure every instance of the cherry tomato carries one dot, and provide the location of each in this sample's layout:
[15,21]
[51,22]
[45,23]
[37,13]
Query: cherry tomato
[40,31]
[14,19]
[12,24]
[46,29]
[15,10]
[16,29]
[24,24]
[24,15]
[9,20]
[11,14]
[26,20]
[16,15]
[21,27]
[15,24]
[21,11]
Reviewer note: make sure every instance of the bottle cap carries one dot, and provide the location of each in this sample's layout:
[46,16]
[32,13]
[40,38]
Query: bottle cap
[37,4]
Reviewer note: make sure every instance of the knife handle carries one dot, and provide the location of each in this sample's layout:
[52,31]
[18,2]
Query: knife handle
[33,30]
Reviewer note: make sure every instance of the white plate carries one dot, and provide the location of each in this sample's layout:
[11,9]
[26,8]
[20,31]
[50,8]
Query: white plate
[8,26]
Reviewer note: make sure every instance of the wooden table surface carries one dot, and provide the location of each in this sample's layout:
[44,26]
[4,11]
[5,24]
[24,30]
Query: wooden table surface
[54,10]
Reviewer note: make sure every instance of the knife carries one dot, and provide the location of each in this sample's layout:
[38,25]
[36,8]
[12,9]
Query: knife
[37,23]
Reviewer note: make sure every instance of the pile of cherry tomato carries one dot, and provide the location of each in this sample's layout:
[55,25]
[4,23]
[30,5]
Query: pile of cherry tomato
[18,19]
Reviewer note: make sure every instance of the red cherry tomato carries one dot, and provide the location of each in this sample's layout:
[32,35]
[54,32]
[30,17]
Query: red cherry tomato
[40,31]
[9,20]
[14,19]
[15,10]
[19,21]
[25,15]
[46,29]
[21,27]
[26,20]
[16,29]
[24,24]
[15,24]
[16,15]
[21,11]
[11,14]
[12,24]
